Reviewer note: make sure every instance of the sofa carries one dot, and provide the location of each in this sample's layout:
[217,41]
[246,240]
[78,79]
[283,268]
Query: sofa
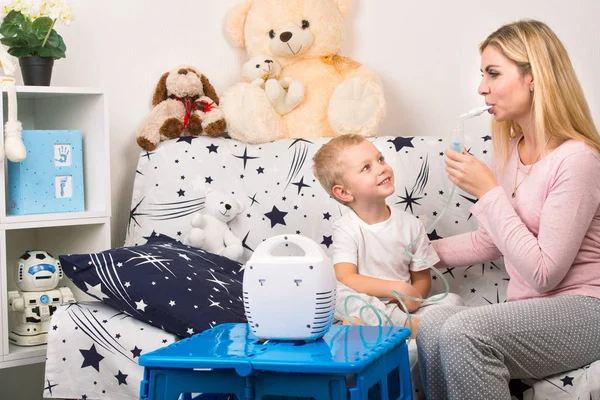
[98,343]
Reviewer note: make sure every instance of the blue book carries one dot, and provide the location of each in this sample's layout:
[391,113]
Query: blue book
[50,179]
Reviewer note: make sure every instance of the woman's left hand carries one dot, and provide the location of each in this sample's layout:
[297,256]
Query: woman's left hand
[469,173]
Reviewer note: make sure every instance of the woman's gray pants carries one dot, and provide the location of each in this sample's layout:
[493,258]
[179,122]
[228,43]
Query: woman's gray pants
[473,352]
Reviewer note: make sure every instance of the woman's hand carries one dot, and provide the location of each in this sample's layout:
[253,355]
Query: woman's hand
[469,173]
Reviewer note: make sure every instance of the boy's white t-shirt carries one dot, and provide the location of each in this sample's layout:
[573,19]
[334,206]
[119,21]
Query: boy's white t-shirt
[378,250]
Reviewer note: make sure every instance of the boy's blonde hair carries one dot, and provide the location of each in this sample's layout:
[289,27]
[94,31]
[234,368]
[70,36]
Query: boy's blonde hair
[559,108]
[328,165]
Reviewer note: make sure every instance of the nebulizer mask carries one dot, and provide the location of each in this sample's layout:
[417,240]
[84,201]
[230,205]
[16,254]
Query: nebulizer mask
[457,144]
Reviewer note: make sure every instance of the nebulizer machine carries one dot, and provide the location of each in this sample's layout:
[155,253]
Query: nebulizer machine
[293,297]
[289,297]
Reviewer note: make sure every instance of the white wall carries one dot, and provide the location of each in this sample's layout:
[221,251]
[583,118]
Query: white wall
[425,52]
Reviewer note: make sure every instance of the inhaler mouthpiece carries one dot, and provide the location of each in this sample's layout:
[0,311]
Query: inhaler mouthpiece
[474,112]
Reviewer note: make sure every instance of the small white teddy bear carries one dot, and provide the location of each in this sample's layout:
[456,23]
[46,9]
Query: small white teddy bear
[209,230]
[284,94]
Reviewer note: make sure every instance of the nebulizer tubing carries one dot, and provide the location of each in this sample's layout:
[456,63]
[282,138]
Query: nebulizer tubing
[457,144]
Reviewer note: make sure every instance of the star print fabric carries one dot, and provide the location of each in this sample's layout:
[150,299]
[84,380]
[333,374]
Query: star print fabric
[275,183]
[178,288]
[93,351]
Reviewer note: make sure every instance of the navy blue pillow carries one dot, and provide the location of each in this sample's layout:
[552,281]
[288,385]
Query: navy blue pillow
[181,289]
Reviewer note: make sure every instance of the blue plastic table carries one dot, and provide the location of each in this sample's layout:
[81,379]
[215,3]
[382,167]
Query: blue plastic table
[349,362]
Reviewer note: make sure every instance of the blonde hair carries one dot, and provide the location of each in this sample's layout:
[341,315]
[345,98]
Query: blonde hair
[559,108]
[328,165]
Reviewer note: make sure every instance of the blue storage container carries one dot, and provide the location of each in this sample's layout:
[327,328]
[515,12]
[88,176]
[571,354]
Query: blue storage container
[358,362]
[50,179]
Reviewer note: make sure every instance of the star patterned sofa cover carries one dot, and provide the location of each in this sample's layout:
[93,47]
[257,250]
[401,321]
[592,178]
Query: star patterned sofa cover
[99,345]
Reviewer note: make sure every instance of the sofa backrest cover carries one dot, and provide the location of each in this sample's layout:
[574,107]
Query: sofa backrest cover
[275,183]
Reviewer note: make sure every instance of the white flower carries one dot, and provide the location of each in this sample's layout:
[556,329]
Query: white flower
[56,9]
[50,9]
[66,13]
[24,6]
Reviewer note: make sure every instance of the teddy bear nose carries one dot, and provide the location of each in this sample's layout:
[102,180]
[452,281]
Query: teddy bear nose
[285,36]
[227,207]
[182,71]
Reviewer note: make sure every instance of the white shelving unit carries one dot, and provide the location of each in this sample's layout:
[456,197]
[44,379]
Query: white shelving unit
[61,108]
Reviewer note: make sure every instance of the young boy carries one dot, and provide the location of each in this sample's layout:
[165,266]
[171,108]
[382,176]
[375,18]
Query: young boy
[369,240]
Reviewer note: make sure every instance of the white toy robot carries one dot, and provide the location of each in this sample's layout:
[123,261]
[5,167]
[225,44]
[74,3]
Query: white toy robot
[38,274]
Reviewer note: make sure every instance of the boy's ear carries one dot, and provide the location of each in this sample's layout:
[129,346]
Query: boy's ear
[342,194]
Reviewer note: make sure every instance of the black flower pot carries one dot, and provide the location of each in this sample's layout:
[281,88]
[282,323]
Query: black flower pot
[36,70]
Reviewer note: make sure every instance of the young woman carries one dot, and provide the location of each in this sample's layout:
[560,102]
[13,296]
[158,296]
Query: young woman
[539,208]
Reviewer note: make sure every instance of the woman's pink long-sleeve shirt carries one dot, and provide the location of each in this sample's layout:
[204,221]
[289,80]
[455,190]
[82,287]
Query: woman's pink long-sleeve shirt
[549,233]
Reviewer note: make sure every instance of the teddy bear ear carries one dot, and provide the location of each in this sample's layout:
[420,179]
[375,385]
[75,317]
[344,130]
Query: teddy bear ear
[160,93]
[236,21]
[343,6]
[240,207]
[209,90]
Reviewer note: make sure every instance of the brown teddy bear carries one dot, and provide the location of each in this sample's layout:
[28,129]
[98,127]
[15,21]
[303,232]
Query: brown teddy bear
[184,101]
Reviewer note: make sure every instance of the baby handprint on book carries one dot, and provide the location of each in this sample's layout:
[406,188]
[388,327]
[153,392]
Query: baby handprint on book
[62,155]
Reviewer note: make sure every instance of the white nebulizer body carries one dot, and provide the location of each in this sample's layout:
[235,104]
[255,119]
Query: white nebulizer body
[289,297]
[458,134]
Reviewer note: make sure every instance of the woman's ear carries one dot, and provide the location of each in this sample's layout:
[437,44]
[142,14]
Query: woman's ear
[342,194]
[160,93]
[235,21]
[528,80]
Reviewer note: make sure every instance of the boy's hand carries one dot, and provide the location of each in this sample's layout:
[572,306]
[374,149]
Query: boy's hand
[406,289]
[356,321]
[348,274]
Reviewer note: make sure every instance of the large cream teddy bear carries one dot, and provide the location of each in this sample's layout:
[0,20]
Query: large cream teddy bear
[305,37]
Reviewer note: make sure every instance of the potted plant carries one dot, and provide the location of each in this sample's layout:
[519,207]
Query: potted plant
[29,34]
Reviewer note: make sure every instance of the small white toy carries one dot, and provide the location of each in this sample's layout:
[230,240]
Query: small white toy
[289,297]
[38,274]
[260,69]
[209,230]
[13,142]
[285,94]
